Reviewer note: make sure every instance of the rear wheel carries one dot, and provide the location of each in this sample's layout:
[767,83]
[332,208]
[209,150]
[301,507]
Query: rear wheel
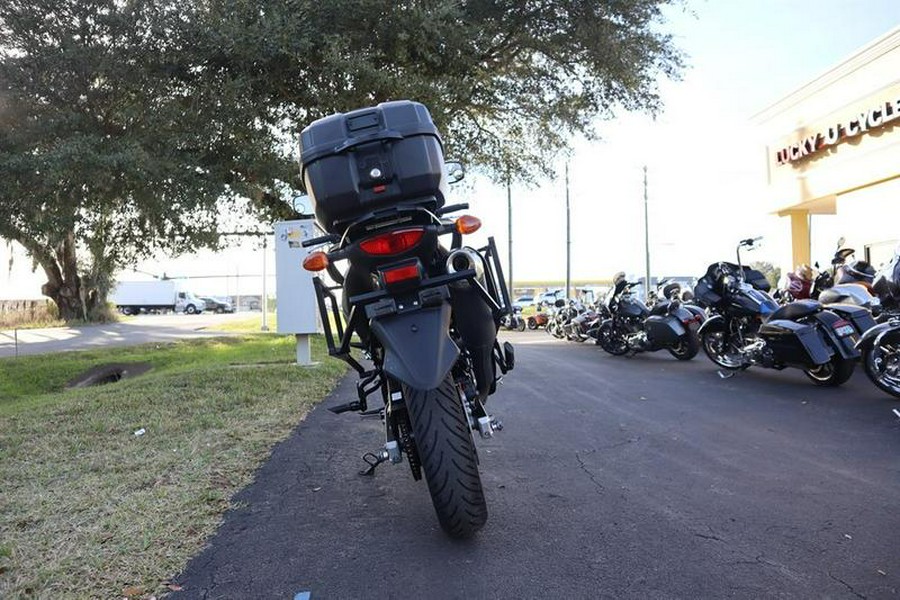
[882,364]
[687,346]
[833,373]
[532,323]
[520,324]
[447,452]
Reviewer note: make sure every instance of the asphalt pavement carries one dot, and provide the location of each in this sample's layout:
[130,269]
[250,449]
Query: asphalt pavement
[614,477]
[141,329]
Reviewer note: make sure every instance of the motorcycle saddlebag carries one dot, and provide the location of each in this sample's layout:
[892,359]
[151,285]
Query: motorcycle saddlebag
[663,331]
[795,344]
[861,318]
[372,158]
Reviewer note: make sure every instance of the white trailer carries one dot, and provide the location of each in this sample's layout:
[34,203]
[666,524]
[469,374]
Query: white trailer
[132,297]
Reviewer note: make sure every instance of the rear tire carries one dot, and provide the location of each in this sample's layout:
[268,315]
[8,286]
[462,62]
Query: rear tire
[833,373]
[687,347]
[882,365]
[532,323]
[520,324]
[447,451]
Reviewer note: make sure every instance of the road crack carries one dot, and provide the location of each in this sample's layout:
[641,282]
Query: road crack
[847,585]
[590,473]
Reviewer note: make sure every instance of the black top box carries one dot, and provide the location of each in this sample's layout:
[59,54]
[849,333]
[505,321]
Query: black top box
[372,158]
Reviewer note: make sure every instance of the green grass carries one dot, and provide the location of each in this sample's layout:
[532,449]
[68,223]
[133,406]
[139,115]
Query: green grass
[248,324]
[88,509]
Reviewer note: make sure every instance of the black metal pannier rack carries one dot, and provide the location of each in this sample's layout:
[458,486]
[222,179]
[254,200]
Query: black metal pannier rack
[431,289]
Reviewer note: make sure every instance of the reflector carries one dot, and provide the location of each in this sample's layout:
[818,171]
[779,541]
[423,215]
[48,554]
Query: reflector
[398,274]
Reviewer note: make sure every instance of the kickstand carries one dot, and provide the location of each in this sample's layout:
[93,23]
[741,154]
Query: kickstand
[373,461]
[725,374]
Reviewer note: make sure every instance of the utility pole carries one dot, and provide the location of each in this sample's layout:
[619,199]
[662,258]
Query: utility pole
[568,238]
[646,240]
[509,220]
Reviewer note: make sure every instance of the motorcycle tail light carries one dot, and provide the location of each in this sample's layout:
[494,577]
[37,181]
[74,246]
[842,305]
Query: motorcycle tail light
[393,242]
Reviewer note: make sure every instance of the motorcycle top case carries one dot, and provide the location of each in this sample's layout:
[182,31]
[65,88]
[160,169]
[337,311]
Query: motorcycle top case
[372,158]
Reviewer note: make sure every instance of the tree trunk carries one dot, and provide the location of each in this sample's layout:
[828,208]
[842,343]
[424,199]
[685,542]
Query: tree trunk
[64,285]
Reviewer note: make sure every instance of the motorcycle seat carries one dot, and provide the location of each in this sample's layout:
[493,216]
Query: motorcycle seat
[797,310]
[660,309]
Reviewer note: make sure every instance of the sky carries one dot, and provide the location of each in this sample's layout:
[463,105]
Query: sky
[705,162]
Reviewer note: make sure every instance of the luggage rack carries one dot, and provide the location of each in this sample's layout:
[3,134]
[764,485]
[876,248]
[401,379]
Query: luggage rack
[339,338]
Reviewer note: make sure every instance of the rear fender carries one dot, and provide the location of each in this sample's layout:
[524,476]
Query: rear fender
[845,346]
[418,350]
[874,335]
[697,312]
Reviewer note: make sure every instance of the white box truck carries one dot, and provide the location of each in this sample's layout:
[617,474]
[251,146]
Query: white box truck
[132,297]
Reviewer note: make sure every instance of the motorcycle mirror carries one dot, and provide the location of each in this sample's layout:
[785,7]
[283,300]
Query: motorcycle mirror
[455,171]
[559,303]
[840,242]
[300,204]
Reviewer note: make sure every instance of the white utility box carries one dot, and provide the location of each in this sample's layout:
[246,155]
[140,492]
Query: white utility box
[296,310]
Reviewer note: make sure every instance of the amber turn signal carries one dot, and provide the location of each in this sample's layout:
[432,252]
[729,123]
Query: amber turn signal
[315,261]
[468,224]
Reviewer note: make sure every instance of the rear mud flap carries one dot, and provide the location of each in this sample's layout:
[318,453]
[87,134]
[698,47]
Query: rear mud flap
[417,347]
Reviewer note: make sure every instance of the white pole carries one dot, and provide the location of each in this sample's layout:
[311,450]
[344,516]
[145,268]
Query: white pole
[646,240]
[304,353]
[265,308]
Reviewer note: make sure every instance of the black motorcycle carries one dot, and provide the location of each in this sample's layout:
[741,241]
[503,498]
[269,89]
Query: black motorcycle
[579,328]
[880,345]
[635,328]
[750,328]
[426,315]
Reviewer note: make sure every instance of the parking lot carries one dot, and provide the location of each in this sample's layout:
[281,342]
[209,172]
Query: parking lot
[638,477]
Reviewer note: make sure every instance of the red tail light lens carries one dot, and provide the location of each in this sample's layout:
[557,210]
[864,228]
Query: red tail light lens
[393,242]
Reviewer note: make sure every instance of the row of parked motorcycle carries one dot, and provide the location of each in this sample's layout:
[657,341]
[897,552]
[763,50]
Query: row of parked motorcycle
[823,321]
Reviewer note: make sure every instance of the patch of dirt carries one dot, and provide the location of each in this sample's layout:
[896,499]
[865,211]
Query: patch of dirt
[109,373]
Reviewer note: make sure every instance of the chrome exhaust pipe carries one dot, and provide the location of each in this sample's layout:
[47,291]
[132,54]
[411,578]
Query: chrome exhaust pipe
[466,258]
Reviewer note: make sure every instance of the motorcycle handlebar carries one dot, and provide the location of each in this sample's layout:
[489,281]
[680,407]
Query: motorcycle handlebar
[324,239]
[452,208]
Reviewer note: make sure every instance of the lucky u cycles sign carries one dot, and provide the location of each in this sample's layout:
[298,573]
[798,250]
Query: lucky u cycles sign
[874,118]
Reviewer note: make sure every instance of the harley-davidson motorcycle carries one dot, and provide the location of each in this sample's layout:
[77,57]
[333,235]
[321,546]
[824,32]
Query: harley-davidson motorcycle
[847,283]
[750,329]
[880,345]
[635,328]
[426,315]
